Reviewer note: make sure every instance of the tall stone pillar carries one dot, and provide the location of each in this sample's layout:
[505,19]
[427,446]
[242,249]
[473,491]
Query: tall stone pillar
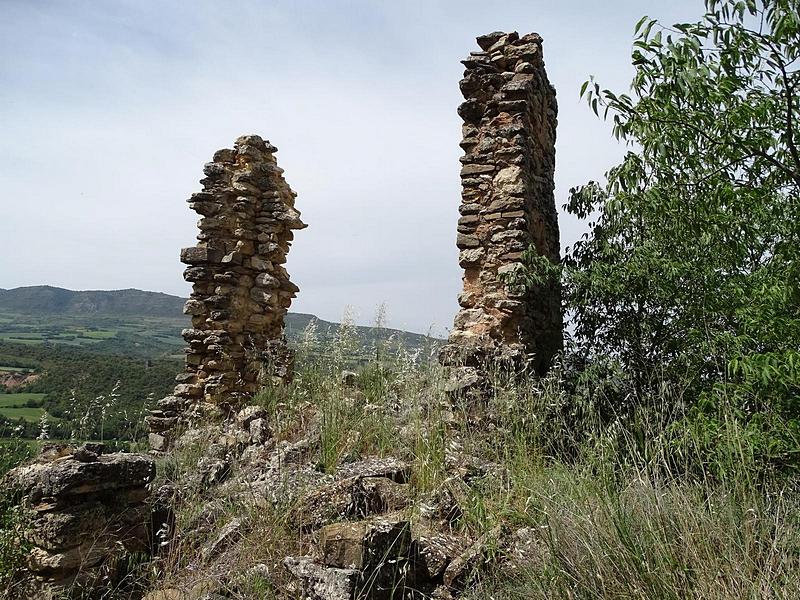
[240,290]
[507,206]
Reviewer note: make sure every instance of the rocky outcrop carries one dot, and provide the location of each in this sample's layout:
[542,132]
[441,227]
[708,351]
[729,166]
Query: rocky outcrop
[88,513]
[507,206]
[240,289]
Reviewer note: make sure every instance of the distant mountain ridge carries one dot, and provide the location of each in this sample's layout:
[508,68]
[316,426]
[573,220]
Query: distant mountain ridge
[48,301]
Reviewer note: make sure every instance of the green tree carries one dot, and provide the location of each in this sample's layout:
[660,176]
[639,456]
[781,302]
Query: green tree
[688,276]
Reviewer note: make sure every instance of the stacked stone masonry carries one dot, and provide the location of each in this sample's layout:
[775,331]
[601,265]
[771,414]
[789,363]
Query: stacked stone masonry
[240,289]
[507,206]
[87,513]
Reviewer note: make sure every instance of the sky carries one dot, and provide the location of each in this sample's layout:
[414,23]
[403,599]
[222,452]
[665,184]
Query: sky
[108,111]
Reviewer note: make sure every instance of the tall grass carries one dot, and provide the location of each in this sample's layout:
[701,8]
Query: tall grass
[630,507]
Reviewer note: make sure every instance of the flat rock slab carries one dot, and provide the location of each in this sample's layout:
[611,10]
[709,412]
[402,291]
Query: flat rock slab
[349,499]
[55,531]
[67,476]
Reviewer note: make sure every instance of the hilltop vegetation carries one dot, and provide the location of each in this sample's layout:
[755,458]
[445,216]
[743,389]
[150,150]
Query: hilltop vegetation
[685,291]
[659,459]
[49,300]
[566,506]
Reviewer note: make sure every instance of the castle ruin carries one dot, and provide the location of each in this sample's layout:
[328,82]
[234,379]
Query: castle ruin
[91,509]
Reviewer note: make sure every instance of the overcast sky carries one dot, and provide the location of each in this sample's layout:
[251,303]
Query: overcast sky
[108,111]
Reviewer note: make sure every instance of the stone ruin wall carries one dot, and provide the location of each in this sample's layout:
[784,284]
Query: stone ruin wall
[87,512]
[507,205]
[240,289]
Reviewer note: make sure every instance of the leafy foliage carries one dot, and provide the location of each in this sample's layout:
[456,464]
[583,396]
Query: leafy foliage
[688,277]
[13,550]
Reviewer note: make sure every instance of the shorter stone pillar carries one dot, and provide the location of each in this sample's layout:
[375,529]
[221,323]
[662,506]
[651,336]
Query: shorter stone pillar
[88,510]
[240,289]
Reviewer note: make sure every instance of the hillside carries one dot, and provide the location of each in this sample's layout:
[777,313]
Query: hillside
[133,322]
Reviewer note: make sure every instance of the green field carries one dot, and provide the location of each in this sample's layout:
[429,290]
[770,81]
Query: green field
[13,400]
[143,336]
[98,334]
[13,406]
[32,415]
[12,369]
[21,338]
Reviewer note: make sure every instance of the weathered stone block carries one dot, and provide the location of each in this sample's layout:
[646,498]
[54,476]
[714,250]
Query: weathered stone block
[471,170]
[318,582]
[464,241]
[194,307]
[160,424]
[200,255]
[471,256]
[87,510]
[365,545]
[71,478]
[355,497]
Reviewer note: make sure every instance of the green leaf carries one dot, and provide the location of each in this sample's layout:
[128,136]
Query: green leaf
[639,24]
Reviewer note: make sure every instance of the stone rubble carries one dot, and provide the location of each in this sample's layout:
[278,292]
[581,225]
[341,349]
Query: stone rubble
[240,289]
[366,535]
[507,206]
